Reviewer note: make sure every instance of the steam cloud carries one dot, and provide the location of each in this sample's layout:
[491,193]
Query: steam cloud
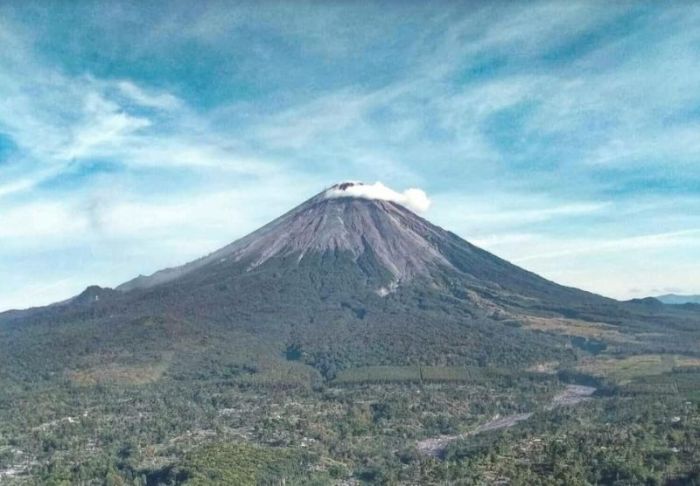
[414,199]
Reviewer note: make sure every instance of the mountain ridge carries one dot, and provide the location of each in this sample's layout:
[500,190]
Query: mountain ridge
[678,299]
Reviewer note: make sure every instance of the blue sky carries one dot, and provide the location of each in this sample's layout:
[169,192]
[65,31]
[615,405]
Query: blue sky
[563,136]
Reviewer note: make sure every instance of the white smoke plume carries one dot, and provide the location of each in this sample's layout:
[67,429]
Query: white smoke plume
[414,199]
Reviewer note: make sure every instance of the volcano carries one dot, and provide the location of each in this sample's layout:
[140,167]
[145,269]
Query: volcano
[389,245]
[351,277]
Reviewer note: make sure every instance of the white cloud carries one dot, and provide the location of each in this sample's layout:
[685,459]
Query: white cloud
[56,121]
[40,293]
[414,199]
[105,124]
[640,242]
[161,101]
[619,267]
[40,220]
[18,185]
[522,216]
[205,153]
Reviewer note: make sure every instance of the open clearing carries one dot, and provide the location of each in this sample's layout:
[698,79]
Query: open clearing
[573,327]
[623,370]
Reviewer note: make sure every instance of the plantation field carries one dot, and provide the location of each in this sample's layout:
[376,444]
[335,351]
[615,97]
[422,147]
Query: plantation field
[416,374]
[623,370]
[573,327]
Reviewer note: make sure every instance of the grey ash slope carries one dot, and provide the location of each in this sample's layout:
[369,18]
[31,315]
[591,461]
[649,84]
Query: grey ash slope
[404,246]
[401,242]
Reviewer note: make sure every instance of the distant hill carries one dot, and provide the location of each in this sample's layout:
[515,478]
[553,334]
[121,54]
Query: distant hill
[676,299]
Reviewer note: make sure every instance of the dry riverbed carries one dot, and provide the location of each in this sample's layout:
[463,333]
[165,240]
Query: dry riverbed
[571,395]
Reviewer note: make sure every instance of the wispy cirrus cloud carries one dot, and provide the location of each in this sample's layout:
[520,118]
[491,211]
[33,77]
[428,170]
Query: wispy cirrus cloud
[150,99]
[646,241]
